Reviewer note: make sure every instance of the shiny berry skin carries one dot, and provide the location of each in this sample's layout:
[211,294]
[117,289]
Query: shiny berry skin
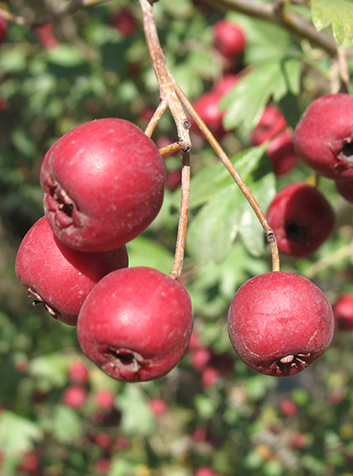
[228,38]
[279,323]
[60,277]
[103,184]
[323,137]
[343,312]
[136,324]
[271,123]
[301,219]
[282,154]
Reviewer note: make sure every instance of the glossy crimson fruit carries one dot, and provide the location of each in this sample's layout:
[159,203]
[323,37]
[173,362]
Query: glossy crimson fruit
[323,137]
[343,312]
[301,219]
[279,323]
[271,123]
[226,84]
[60,277]
[103,184]
[228,38]
[282,154]
[136,324]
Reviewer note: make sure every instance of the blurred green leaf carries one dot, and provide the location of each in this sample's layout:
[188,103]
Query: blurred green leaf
[66,424]
[340,14]
[136,418]
[146,252]
[50,370]
[17,434]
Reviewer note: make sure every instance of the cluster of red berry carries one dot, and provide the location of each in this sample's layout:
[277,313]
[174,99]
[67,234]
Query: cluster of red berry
[103,184]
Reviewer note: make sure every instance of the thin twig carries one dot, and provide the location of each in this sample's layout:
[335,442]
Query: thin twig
[233,172]
[183,216]
[158,113]
[292,22]
[169,99]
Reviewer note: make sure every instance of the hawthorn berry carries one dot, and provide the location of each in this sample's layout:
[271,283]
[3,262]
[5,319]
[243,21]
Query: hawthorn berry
[136,324]
[124,21]
[271,123]
[75,396]
[46,36]
[282,154]
[345,188]
[103,184]
[279,323]
[343,312]
[228,38]
[207,107]
[323,137]
[59,277]
[301,219]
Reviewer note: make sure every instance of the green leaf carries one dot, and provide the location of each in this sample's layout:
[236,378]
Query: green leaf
[136,418]
[340,14]
[50,370]
[17,434]
[250,228]
[65,55]
[213,230]
[247,100]
[66,424]
[146,252]
[214,179]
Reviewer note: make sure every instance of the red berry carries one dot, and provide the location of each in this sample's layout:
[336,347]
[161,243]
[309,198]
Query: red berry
[103,440]
[279,323]
[103,465]
[288,407]
[158,406]
[136,325]
[45,34]
[225,84]
[210,376]
[29,464]
[271,123]
[103,184]
[301,219]
[323,137]
[61,277]
[282,154]
[124,21]
[78,372]
[104,399]
[207,108]
[75,396]
[200,357]
[228,38]
[3,29]
[343,312]
[204,471]
[345,188]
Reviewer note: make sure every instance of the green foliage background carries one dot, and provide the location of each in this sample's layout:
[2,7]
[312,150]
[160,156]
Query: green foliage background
[234,426]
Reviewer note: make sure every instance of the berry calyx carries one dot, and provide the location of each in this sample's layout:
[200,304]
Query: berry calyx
[103,184]
[301,219]
[279,323]
[136,324]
